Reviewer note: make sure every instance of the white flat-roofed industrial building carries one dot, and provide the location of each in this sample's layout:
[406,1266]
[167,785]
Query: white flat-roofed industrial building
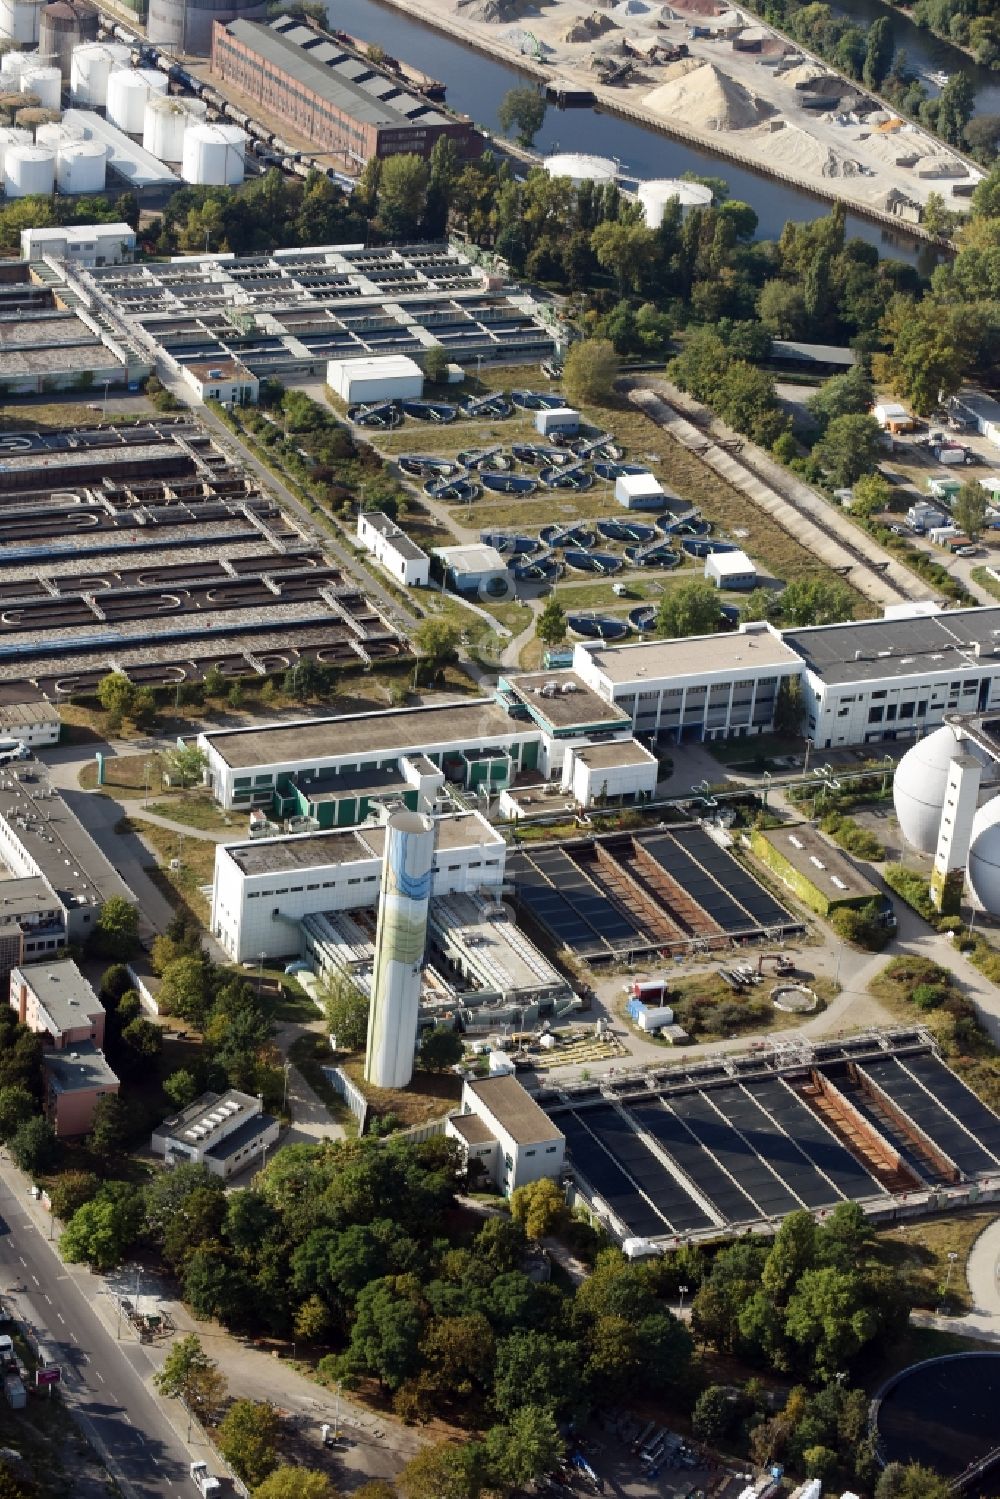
[393,549]
[81,244]
[262,890]
[475,743]
[502,1127]
[703,687]
[35,722]
[382,377]
[32,922]
[606,774]
[730,570]
[225,1132]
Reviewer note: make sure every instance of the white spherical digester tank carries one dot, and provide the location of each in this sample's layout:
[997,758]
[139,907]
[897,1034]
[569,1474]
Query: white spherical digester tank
[128,91]
[654,197]
[90,69]
[214,155]
[29,170]
[45,84]
[579,168]
[983,869]
[919,783]
[165,123]
[81,167]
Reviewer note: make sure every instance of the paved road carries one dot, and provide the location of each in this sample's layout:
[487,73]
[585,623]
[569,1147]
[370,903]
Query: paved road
[104,1379]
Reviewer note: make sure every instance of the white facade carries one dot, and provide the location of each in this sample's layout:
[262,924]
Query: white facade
[35,723]
[557,419]
[639,491]
[475,568]
[730,570]
[391,377]
[393,549]
[979,409]
[891,414]
[224,381]
[610,773]
[213,155]
[263,889]
[526,1144]
[225,1132]
[81,244]
[705,687]
[400,943]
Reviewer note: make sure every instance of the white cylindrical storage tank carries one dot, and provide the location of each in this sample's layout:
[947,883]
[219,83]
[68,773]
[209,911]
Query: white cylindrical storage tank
[12,65]
[128,91]
[19,21]
[214,155]
[57,134]
[579,168]
[29,170]
[400,939]
[81,167]
[10,136]
[91,66]
[45,84]
[165,123]
[654,197]
[983,868]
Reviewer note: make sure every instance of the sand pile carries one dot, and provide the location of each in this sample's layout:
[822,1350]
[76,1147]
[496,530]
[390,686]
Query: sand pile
[496,12]
[708,99]
[590,28]
[680,69]
[794,149]
[804,72]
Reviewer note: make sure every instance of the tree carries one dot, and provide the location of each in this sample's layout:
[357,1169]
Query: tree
[910,1481]
[115,693]
[181,1087]
[213,682]
[386,1334]
[878,53]
[969,508]
[590,371]
[402,195]
[197,1223]
[247,1438]
[143,1037]
[346,1008]
[955,103]
[70,1190]
[524,1448]
[188,1374]
[111,1126]
[813,601]
[820,1461]
[376,1489]
[184,989]
[116,931]
[16,1106]
[214,1286]
[827,1318]
[437,640]
[791,1254]
[550,626]
[851,446]
[312,1320]
[441,1048]
[843,395]
[522,110]
[185,765]
[714,1414]
[34,1146]
[441,1472]
[689,609]
[114,982]
[295,1483]
[539,1206]
[931,348]
[235,695]
[872,494]
[436,364]
[102,1231]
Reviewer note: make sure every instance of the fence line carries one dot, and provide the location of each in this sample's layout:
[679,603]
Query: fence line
[350,1093]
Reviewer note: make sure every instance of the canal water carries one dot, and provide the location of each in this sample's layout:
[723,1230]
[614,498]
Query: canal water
[476,84]
[927,53]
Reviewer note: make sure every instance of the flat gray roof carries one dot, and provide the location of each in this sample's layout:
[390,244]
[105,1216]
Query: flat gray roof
[870,650]
[473,1129]
[572,704]
[364,734]
[250,1130]
[63,991]
[80,1068]
[786,348]
[16,715]
[56,841]
[198,1115]
[394,534]
[334,73]
[26,895]
[514,1108]
[695,656]
[820,862]
[305,851]
[608,756]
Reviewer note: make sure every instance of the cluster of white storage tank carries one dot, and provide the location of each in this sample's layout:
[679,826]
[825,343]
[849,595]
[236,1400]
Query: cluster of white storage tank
[91,67]
[165,123]
[214,155]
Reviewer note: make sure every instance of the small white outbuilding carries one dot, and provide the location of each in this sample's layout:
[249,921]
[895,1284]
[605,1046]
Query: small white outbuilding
[386,377]
[557,419]
[730,570]
[639,492]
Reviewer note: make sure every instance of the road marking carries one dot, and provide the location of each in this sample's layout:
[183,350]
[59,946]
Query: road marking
[100,1376]
[36,1280]
[61,1317]
[48,1298]
[22,1259]
[125,1416]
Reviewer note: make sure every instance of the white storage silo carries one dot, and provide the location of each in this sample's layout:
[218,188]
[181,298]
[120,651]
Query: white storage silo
[165,122]
[128,91]
[400,939]
[654,197]
[10,136]
[91,66]
[56,134]
[19,21]
[214,155]
[81,167]
[29,170]
[12,65]
[45,84]
[580,168]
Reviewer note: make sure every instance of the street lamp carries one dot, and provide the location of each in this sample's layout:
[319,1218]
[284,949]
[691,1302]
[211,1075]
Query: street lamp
[104,407]
[683,1292]
[952,1257]
[284,1095]
[260,972]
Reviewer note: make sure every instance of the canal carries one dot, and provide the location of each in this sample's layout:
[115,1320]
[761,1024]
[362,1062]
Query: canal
[476,84]
[927,53]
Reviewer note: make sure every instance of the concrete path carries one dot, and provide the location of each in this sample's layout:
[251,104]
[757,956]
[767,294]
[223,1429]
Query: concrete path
[983,1273]
[311,1119]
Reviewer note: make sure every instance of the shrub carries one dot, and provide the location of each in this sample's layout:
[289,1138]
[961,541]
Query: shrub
[928,996]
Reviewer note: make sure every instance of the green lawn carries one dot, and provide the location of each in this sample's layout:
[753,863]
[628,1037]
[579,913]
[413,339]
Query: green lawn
[922,1248]
[198,809]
